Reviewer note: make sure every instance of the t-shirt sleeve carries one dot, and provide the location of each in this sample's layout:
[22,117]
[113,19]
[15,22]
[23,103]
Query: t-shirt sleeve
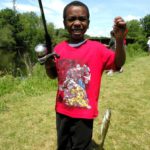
[108,58]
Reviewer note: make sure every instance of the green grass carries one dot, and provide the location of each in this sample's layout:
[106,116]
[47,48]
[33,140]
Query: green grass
[27,111]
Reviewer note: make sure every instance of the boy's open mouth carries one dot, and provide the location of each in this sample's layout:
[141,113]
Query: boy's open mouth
[76,31]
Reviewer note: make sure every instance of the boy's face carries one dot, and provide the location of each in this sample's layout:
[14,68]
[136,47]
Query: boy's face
[76,23]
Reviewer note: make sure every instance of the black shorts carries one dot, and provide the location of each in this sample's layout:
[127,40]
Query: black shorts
[73,133]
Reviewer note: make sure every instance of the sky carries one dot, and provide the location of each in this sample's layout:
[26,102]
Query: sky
[102,12]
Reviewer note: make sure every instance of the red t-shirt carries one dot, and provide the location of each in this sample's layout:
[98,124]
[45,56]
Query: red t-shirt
[79,77]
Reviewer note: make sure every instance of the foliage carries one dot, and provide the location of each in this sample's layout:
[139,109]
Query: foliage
[60,35]
[29,22]
[137,32]
[6,38]
[134,29]
[8,16]
[146,24]
[20,33]
[134,50]
[7,62]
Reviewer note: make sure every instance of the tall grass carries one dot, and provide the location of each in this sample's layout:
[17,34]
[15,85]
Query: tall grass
[35,85]
[8,84]
[134,51]
[38,83]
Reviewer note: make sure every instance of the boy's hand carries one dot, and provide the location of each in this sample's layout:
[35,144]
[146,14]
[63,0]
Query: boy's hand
[119,28]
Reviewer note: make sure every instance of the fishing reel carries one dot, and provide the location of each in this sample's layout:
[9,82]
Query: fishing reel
[43,55]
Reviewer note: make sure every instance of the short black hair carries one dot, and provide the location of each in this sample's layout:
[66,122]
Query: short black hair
[75,3]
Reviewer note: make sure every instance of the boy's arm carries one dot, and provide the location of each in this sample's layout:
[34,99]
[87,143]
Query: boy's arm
[119,31]
[51,68]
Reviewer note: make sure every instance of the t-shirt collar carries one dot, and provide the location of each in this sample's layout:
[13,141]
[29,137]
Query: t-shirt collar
[77,44]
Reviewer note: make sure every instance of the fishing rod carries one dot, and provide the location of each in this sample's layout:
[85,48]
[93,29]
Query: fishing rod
[44,51]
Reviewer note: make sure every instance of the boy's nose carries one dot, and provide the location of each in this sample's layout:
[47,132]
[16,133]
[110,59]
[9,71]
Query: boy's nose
[77,23]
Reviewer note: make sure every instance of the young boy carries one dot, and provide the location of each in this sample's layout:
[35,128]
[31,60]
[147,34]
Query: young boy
[79,70]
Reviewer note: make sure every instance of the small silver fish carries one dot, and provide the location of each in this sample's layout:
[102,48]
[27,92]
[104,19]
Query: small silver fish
[105,126]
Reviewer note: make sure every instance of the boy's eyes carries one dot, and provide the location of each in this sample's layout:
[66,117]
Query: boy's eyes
[74,18]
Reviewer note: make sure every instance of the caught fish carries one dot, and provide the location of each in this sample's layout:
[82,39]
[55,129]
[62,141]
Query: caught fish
[104,127]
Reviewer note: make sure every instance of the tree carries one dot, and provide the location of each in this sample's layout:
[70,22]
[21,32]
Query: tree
[146,24]
[137,33]
[7,16]
[134,28]
[30,23]
[6,39]
[8,24]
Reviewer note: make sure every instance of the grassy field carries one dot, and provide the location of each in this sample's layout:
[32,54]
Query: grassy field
[27,121]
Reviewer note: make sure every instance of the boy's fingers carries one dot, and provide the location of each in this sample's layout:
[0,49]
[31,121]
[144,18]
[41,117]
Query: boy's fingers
[118,21]
[118,18]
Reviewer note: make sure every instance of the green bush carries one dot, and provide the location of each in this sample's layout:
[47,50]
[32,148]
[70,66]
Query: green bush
[134,50]
[7,62]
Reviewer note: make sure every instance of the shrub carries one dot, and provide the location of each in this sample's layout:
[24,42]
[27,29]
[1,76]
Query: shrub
[134,50]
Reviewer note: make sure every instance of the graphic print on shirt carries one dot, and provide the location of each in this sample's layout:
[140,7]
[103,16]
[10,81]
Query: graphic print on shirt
[74,81]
